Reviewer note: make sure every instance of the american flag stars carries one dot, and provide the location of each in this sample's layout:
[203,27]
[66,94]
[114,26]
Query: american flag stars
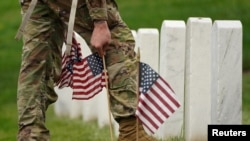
[95,63]
[147,77]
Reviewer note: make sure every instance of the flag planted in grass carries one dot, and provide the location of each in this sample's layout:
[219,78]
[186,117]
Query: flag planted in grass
[157,99]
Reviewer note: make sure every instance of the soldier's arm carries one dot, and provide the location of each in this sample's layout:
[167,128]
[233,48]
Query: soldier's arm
[97,9]
[101,35]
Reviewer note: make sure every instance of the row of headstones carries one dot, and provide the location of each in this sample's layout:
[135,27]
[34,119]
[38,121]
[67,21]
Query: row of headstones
[201,60]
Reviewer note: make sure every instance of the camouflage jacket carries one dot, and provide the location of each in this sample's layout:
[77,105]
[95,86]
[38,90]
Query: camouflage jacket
[97,10]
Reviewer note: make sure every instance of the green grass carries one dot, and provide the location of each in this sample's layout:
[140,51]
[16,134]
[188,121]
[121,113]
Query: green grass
[61,128]
[137,14]
[75,130]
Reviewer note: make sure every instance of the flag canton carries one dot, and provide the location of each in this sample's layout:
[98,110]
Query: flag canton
[95,63]
[147,77]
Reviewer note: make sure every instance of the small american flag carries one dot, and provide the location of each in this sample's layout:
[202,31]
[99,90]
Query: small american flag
[88,79]
[157,99]
[85,76]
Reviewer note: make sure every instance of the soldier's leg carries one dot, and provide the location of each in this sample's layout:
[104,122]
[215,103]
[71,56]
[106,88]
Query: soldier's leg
[123,76]
[123,70]
[40,67]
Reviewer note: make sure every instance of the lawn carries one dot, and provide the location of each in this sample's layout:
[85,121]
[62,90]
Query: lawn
[137,14]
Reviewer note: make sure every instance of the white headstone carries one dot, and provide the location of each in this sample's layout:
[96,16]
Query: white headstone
[227,70]
[103,110]
[198,79]
[147,40]
[172,66]
[62,106]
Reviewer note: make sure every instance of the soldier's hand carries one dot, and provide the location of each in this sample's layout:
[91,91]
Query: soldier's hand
[101,36]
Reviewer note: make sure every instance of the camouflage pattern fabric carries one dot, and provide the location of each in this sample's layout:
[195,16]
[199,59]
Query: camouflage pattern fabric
[43,38]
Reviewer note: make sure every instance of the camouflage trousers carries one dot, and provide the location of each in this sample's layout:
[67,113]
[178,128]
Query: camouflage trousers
[41,65]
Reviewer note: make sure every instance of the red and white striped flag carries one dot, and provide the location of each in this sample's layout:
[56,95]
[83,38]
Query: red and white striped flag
[157,99]
[85,76]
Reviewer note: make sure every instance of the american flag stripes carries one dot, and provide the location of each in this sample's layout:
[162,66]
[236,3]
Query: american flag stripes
[88,79]
[85,76]
[157,100]
[67,65]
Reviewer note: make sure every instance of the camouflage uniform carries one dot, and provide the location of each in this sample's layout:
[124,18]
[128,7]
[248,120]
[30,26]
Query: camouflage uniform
[43,38]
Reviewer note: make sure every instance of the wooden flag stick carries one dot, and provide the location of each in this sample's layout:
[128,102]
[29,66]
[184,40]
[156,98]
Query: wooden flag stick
[108,97]
[137,91]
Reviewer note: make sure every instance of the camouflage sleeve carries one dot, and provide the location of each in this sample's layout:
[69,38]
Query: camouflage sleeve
[97,9]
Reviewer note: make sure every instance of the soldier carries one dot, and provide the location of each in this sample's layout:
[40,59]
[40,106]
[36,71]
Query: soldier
[44,26]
